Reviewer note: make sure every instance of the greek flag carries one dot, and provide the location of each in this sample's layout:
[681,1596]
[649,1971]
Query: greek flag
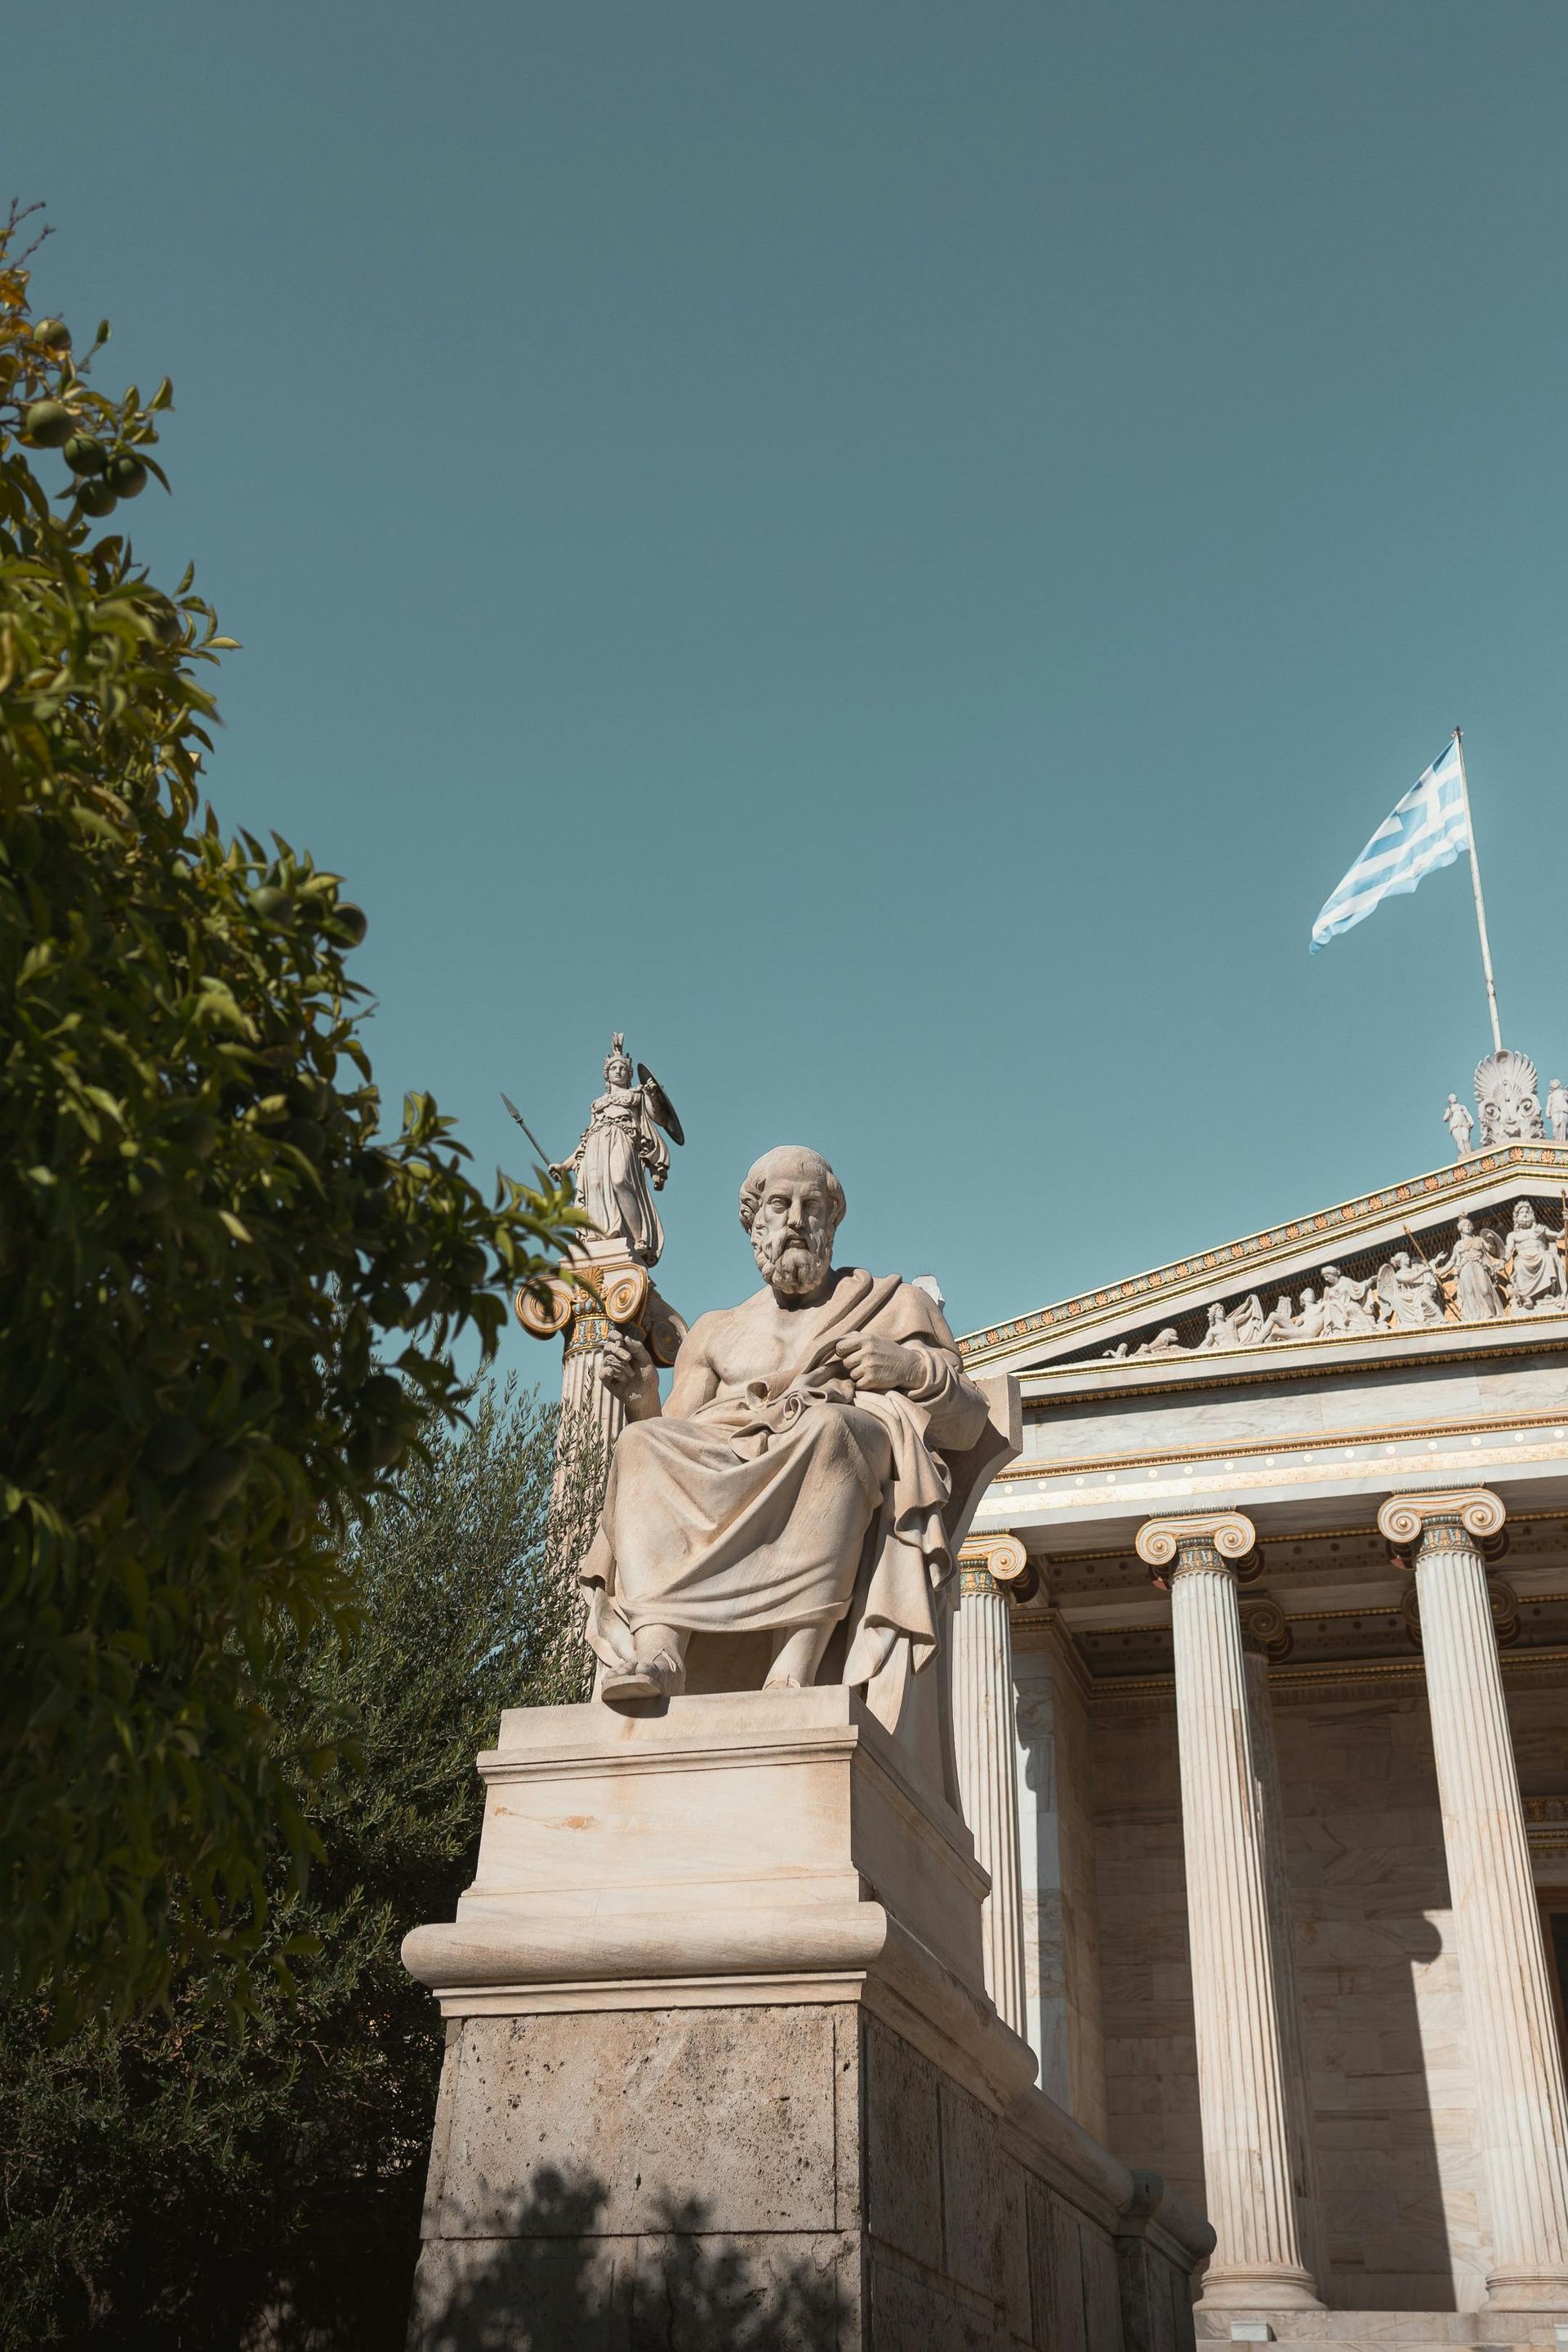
[1429,828]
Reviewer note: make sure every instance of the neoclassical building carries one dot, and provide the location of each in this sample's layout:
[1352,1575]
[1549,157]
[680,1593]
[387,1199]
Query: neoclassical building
[1287,1911]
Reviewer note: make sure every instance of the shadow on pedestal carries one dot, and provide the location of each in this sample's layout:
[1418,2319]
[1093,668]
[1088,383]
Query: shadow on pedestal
[551,2280]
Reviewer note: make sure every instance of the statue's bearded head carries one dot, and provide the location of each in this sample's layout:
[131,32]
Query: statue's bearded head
[792,1204]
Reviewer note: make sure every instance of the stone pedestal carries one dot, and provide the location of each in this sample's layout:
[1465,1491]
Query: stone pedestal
[1508,2001]
[722,2071]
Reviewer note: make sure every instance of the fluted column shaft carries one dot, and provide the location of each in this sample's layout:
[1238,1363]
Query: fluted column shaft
[983,1739]
[589,1412]
[1281,1926]
[1250,2188]
[1523,2110]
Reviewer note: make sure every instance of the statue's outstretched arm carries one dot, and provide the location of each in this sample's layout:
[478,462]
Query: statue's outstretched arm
[560,1168]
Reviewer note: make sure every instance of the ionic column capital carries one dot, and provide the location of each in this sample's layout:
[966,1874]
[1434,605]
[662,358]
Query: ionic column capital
[1265,1628]
[996,1563]
[1445,1519]
[1195,1539]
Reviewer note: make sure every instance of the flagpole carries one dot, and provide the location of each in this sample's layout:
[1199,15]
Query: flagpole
[1480,902]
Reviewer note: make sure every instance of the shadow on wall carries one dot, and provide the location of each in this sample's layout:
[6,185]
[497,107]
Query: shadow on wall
[1382,2006]
[549,2285]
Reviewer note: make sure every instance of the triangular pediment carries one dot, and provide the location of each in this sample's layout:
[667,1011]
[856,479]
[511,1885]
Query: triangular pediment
[1220,1309]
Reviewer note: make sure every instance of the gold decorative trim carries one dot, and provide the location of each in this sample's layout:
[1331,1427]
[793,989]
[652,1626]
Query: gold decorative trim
[542,1316]
[1322,1679]
[1171,1544]
[1004,1556]
[590,1296]
[1294,1535]
[1405,1518]
[1546,1823]
[1322,1617]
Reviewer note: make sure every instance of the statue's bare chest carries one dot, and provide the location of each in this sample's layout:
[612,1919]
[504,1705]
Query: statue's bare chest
[760,1347]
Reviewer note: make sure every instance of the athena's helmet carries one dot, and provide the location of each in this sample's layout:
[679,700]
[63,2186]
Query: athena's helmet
[618,1062]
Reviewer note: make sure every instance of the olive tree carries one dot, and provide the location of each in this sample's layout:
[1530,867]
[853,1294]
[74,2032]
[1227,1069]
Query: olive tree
[228,1290]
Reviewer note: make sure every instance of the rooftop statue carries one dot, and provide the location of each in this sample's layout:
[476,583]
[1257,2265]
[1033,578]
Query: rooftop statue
[621,1152]
[813,1438]
[1557,1110]
[1460,1126]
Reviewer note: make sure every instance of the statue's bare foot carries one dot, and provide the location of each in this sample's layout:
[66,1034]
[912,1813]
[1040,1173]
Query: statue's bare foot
[656,1677]
[797,1653]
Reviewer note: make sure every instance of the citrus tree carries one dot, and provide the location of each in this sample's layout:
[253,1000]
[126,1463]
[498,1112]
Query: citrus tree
[228,1295]
[166,2185]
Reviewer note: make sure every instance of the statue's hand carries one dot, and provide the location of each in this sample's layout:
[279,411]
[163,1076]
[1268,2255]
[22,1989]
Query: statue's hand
[628,1372]
[873,1363]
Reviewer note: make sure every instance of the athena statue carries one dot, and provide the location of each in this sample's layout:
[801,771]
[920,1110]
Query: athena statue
[621,1152]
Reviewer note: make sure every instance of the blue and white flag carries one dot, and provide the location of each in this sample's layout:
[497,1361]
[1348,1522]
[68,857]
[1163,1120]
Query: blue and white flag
[1428,829]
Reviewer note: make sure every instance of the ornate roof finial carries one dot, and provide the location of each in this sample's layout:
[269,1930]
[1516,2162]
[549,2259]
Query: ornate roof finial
[1507,1099]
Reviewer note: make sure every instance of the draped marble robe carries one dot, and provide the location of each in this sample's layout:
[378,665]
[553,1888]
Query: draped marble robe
[795,1500]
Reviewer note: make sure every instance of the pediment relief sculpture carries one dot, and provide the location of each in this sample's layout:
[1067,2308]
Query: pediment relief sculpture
[1471,1270]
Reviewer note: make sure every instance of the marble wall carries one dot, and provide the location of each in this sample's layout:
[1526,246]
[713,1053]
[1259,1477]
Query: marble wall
[1384,2024]
[1145,1975]
[1393,2094]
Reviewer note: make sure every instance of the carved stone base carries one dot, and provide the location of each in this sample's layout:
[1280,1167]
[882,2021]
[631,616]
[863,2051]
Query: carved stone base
[722,2071]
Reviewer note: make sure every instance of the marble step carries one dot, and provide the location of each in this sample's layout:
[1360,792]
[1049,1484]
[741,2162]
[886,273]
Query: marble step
[1390,2331]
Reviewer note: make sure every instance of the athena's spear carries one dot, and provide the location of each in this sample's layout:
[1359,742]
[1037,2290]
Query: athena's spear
[544,1158]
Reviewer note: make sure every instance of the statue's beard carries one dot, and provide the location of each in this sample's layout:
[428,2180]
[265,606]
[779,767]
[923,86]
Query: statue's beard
[791,1268]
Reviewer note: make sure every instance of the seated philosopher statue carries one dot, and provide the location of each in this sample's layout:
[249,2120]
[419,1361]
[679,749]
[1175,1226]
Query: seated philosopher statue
[820,1445]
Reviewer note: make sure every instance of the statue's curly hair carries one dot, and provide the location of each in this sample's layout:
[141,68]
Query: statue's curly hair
[752,1190]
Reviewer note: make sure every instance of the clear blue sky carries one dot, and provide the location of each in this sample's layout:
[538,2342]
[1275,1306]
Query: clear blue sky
[896,552]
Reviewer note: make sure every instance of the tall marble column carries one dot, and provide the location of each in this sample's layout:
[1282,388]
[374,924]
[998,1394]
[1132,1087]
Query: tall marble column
[983,1739]
[1264,1638]
[1523,2110]
[1243,2070]
[598,1289]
